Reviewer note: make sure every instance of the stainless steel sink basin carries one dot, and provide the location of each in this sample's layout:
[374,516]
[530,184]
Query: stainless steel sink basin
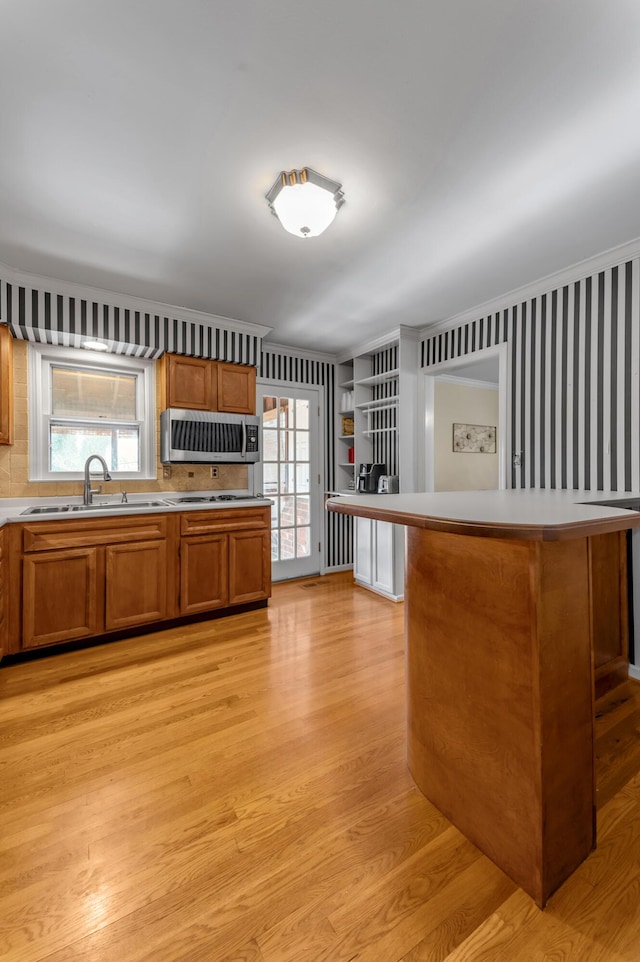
[110,506]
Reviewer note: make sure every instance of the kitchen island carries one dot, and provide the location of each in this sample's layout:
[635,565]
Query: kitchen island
[500,679]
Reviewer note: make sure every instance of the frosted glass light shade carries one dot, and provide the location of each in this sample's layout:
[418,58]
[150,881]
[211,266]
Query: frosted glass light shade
[305,202]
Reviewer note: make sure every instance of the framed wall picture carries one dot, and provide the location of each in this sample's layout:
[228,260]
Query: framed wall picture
[474,438]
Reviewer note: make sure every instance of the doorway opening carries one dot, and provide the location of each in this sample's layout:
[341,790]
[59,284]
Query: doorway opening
[483,370]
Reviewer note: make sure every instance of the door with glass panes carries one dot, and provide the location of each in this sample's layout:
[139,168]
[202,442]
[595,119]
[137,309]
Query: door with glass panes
[290,472]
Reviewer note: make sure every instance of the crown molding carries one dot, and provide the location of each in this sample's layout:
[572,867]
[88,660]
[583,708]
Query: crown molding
[130,302]
[403,331]
[298,352]
[568,275]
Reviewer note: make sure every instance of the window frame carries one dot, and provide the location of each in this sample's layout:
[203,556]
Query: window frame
[42,358]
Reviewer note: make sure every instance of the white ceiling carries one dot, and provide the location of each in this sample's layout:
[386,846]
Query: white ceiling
[481,145]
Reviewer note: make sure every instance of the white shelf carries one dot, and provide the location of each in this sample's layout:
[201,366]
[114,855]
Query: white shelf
[346,411]
[346,437]
[378,378]
[379,430]
[379,404]
[346,385]
[347,464]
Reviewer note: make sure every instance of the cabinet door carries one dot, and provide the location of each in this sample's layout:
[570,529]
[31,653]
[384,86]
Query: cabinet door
[191,383]
[60,598]
[6,385]
[609,626]
[384,557]
[249,566]
[203,573]
[236,388]
[136,589]
[363,568]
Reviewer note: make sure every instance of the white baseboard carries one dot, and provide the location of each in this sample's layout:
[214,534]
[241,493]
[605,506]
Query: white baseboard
[634,672]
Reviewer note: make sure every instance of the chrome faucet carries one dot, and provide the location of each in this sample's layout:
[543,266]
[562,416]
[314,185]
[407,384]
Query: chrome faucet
[88,493]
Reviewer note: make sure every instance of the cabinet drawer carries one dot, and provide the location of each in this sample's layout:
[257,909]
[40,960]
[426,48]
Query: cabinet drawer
[225,519]
[46,535]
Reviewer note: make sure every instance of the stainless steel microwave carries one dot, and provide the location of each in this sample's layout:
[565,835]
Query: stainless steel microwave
[208,437]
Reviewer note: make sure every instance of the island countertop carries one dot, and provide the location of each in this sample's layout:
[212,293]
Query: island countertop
[523,513]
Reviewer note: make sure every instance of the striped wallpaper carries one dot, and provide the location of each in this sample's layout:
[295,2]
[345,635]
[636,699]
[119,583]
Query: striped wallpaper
[574,360]
[44,316]
[279,367]
[385,444]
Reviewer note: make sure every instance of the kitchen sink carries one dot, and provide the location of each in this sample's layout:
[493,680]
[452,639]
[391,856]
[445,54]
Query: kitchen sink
[111,505]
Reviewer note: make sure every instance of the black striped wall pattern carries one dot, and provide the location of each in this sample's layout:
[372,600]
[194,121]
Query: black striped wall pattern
[574,360]
[47,317]
[285,368]
[385,444]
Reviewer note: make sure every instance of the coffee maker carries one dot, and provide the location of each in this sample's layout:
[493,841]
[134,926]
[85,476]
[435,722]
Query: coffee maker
[369,476]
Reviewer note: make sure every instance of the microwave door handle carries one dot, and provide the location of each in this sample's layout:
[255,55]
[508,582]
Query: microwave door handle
[244,439]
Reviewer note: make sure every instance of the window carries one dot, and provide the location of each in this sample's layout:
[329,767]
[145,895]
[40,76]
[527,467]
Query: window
[82,405]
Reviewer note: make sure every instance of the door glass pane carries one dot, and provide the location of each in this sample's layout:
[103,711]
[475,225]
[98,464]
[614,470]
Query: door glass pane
[285,410]
[287,478]
[303,515]
[303,542]
[287,512]
[93,394]
[270,412]
[287,544]
[302,414]
[302,445]
[275,512]
[270,446]
[287,446]
[275,540]
[302,477]
[270,478]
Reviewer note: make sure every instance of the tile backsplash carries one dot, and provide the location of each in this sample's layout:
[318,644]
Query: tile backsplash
[14,458]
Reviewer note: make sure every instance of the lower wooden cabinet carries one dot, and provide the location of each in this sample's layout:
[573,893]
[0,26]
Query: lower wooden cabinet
[249,566]
[60,599]
[225,558]
[135,584]
[204,573]
[81,579]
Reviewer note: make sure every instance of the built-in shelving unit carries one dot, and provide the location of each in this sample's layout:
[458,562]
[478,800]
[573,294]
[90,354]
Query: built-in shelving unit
[382,380]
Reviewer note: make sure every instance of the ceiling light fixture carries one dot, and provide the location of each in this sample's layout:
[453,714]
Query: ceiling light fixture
[304,201]
[95,345]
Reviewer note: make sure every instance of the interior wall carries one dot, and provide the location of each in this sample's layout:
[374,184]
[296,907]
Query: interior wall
[14,458]
[461,404]
[574,362]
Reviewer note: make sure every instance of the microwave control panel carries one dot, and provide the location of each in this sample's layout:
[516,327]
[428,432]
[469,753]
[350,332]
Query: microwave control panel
[252,437]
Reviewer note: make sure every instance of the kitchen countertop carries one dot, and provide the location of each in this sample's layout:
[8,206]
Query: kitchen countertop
[12,509]
[524,513]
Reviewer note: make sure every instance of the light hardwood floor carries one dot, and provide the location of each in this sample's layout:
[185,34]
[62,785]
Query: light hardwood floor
[236,791]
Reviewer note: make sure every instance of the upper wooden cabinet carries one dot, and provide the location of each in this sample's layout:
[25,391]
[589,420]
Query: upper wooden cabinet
[236,388]
[6,385]
[202,385]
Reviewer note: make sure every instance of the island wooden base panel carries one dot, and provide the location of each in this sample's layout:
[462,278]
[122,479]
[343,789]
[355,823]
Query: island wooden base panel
[237,791]
[500,697]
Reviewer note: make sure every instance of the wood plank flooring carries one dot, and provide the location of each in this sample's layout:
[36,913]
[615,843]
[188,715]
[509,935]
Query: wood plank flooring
[236,791]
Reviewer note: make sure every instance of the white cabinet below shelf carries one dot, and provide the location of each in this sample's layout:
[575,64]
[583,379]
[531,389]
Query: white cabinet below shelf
[379,557]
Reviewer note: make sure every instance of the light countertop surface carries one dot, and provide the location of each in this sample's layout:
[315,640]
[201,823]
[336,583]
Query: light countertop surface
[539,514]
[13,509]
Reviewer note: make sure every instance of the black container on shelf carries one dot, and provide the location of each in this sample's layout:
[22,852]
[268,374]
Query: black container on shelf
[369,476]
